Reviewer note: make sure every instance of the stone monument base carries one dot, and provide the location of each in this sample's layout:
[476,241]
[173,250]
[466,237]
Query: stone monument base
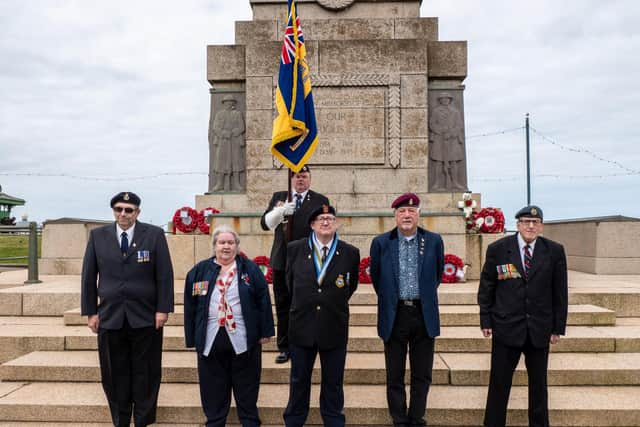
[602,245]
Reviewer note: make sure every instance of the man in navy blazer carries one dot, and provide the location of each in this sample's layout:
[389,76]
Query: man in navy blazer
[406,267]
[127,267]
[523,306]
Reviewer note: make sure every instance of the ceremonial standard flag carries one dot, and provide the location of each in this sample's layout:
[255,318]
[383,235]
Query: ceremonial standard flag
[295,134]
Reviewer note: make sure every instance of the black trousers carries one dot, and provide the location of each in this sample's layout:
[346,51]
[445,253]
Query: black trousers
[504,360]
[223,371]
[409,333]
[331,390]
[131,370]
[282,299]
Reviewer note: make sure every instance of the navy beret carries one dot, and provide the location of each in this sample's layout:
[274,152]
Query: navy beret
[324,209]
[530,211]
[407,199]
[125,197]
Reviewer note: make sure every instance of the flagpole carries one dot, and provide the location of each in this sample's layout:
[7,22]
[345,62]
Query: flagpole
[288,224]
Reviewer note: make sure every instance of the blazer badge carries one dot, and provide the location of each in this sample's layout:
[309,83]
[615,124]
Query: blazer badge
[340,281]
[245,279]
[144,256]
[507,271]
[200,288]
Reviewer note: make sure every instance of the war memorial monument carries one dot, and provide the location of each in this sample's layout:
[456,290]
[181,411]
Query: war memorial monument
[389,100]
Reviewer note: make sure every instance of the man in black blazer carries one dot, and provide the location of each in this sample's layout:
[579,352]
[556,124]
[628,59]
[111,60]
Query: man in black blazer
[290,221]
[322,274]
[523,306]
[127,267]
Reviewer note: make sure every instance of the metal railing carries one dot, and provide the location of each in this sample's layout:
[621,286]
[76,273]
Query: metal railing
[32,257]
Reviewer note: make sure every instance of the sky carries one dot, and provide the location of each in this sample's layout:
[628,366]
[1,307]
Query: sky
[97,97]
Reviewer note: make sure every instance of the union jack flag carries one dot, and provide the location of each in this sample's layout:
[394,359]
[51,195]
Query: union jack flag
[289,44]
[295,133]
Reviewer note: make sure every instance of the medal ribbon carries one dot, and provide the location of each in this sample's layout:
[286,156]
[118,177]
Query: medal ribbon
[321,267]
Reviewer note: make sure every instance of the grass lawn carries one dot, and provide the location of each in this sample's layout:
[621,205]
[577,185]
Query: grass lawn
[12,245]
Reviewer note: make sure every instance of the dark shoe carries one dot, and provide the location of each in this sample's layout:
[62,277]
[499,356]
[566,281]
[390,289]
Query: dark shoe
[283,357]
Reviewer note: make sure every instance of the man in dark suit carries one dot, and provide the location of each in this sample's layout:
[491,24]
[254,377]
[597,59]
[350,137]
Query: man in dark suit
[127,267]
[290,221]
[523,306]
[322,274]
[406,267]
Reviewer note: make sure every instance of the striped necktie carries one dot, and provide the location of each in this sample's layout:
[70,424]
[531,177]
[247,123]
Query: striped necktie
[528,260]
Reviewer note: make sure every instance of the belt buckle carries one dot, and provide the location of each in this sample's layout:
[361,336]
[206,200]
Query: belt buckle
[408,302]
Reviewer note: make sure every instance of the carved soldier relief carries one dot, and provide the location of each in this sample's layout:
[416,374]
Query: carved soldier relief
[227,158]
[447,167]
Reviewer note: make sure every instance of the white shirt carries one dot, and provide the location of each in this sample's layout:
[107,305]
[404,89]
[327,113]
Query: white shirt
[129,232]
[239,338]
[522,244]
[319,245]
[302,195]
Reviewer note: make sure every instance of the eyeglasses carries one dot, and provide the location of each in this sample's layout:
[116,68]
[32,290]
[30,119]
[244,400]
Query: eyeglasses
[530,222]
[325,219]
[119,209]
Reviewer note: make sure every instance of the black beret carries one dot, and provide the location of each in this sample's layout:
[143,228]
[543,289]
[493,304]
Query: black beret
[530,211]
[125,197]
[407,199]
[304,168]
[324,209]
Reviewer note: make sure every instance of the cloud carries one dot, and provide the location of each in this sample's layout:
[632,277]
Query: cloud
[118,89]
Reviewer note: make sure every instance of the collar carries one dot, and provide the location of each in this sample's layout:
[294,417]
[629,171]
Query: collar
[293,195]
[319,245]
[406,238]
[522,243]
[129,231]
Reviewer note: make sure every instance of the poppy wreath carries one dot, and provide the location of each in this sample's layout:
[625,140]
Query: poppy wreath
[203,225]
[364,275]
[263,264]
[178,220]
[490,220]
[453,269]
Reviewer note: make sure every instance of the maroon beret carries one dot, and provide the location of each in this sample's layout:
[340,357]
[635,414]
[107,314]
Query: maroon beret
[407,199]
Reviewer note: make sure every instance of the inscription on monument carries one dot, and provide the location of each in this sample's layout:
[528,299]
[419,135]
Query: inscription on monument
[351,125]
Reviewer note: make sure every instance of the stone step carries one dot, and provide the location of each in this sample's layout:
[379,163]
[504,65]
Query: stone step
[361,368]
[364,404]
[61,293]
[18,339]
[450,315]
